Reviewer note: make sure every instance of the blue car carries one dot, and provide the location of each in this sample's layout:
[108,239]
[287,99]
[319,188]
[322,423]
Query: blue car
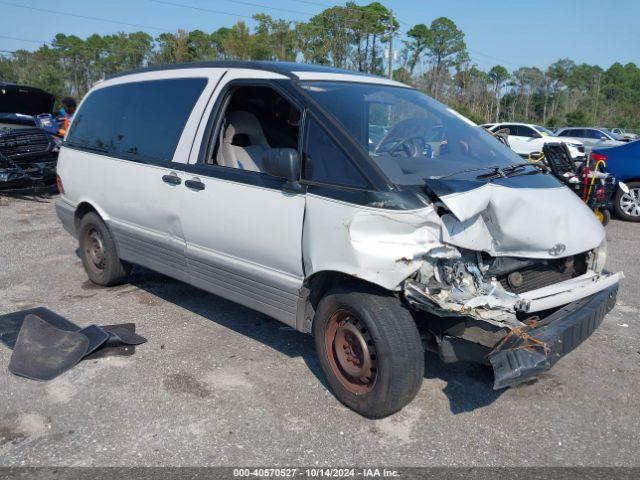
[624,163]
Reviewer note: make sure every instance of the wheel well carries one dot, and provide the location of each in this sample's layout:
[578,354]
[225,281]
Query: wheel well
[629,180]
[317,285]
[81,211]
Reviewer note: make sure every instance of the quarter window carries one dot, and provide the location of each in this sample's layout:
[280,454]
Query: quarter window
[136,121]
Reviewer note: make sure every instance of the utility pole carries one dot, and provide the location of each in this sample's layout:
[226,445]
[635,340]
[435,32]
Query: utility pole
[390,74]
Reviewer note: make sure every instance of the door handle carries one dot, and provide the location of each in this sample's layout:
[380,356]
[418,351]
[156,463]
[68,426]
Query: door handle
[172,179]
[194,184]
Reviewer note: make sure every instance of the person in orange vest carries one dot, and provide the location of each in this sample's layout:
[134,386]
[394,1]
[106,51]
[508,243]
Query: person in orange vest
[69,105]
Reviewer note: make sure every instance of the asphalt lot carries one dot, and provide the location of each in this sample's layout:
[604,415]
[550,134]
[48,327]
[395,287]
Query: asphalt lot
[218,384]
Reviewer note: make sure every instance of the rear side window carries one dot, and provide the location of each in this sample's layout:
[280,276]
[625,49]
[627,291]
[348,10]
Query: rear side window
[571,133]
[136,121]
[325,162]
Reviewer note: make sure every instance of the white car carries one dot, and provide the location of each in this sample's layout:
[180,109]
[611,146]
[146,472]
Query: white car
[527,139]
[624,134]
[257,182]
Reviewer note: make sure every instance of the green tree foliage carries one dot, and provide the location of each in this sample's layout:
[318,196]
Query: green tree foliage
[420,39]
[446,48]
[498,76]
[433,57]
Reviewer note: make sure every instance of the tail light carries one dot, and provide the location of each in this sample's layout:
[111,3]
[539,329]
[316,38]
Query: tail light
[59,184]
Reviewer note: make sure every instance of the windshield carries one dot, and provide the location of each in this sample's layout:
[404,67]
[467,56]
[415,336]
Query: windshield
[409,135]
[544,131]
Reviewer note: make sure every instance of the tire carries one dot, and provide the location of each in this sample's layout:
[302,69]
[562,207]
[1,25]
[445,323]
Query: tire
[604,216]
[380,370]
[623,205]
[98,252]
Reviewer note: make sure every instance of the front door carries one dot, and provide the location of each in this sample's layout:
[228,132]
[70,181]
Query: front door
[243,231]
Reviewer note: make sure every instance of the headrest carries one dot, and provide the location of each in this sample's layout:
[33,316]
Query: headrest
[239,124]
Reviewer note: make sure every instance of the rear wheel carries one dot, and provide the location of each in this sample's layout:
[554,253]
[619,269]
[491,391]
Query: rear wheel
[627,205]
[98,252]
[369,349]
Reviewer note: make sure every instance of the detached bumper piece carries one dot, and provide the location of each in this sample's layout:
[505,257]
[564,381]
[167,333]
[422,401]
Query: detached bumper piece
[46,345]
[528,351]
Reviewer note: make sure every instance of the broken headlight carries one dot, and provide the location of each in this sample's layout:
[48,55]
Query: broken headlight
[599,256]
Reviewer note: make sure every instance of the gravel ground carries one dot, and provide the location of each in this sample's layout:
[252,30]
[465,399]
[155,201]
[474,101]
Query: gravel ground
[219,384]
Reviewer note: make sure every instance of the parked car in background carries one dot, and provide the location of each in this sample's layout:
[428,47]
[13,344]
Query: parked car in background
[591,137]
[624,163]
[625,134]
[262,187]
[528,139]
[28,153]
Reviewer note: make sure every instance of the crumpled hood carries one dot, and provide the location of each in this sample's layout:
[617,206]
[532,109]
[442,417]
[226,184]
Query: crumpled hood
[521,216]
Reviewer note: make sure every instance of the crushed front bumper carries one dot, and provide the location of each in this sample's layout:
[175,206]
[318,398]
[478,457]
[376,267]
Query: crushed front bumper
[29,177]
[528,351]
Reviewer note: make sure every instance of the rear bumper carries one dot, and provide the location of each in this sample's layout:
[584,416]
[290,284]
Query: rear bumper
[525,353]
[66,213]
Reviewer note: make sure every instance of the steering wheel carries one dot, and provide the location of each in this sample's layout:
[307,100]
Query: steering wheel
[411,145]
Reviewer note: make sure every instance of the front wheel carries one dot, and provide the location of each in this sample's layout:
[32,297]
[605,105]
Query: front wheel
[369,349]
[627,205]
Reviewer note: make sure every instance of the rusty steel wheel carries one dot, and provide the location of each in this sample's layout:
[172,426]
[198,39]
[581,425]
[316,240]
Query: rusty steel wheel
[98,252]
[351,352]
[369,349]
[93,246]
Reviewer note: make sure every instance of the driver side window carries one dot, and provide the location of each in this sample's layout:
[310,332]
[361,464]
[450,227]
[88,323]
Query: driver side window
[256,120]
[528,132]
[325,162]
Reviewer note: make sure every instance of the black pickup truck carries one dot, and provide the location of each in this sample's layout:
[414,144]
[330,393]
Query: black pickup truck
[28,154]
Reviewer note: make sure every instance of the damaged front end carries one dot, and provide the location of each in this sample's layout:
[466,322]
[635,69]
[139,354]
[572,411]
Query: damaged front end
[509,287]
[506,311]
[518,315]
[28,158]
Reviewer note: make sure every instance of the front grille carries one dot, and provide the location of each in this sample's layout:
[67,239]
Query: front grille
[24,142]
[543,274]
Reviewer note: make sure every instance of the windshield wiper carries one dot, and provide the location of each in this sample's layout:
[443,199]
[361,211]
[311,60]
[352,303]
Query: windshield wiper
[503,172]
[495,171]
[495,168]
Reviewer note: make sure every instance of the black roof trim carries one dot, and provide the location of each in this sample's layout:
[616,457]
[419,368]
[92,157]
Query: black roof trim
[283,68]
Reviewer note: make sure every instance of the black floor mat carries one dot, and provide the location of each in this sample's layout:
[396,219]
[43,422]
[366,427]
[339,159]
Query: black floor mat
[97,337]
[43,351]
[11,322]
[113,347]
[121,339]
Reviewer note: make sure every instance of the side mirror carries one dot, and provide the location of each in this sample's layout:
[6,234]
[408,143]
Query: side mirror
[604,138]
[283,163]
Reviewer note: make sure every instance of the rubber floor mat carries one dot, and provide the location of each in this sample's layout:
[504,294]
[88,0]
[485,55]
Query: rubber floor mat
[43,351]
[96,335]
[114,347]
[11,322]
[121,339]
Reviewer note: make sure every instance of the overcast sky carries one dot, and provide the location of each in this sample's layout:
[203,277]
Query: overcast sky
[513,33]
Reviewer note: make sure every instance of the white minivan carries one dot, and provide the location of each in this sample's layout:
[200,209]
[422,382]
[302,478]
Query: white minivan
[348,206]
